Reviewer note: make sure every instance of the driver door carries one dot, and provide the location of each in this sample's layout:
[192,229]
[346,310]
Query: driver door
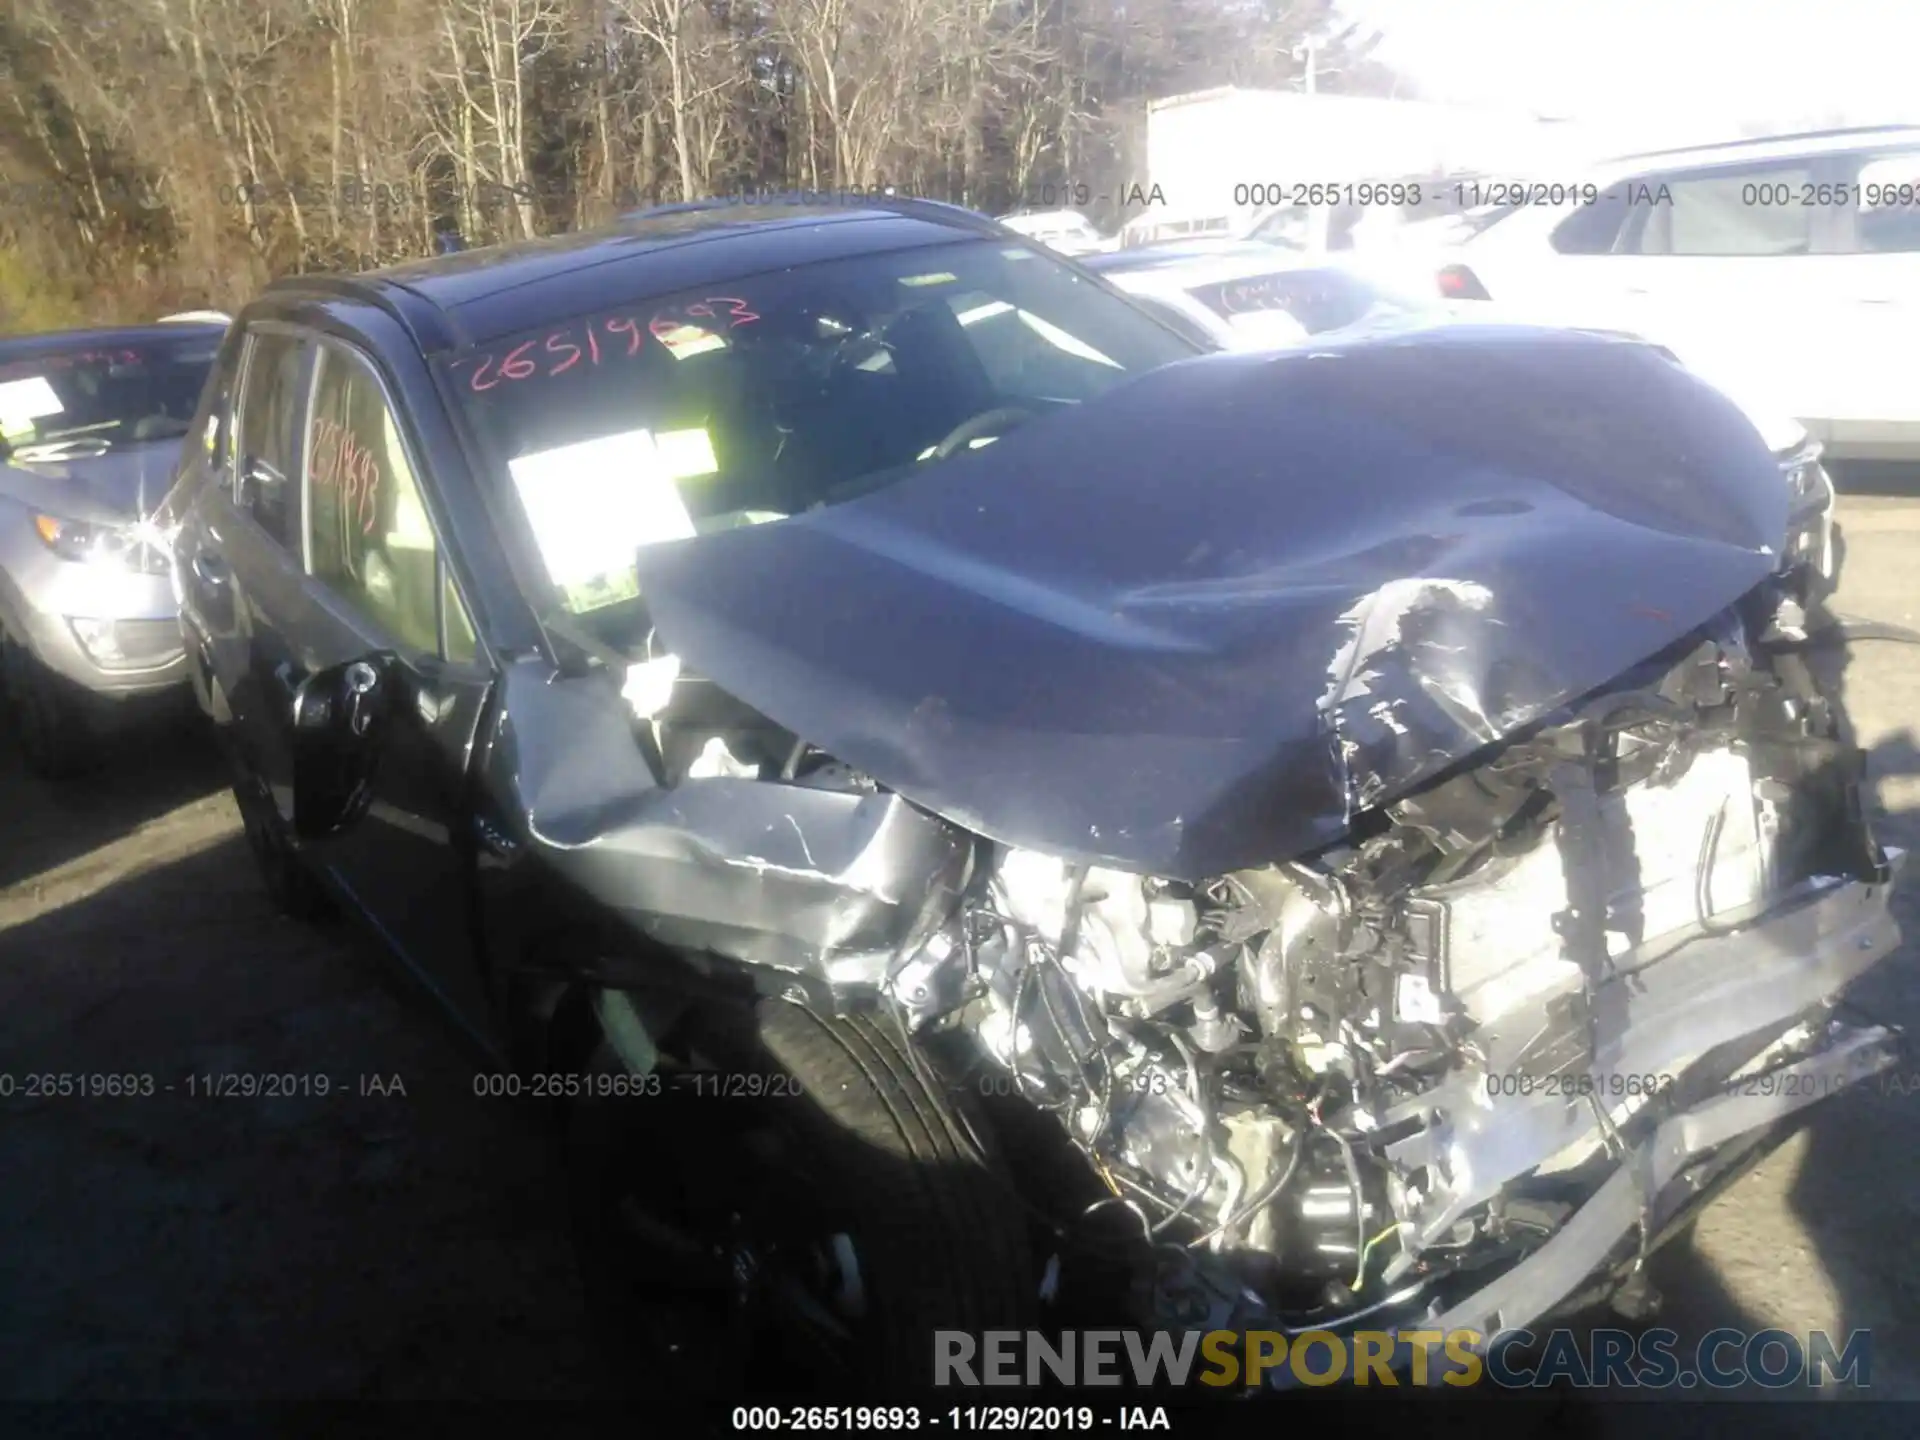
[377,584]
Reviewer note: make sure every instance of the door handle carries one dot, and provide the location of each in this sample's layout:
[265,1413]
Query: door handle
[211,572]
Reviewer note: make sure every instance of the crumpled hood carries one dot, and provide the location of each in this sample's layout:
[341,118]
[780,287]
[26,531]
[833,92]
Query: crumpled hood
[1199,623]
[122,484]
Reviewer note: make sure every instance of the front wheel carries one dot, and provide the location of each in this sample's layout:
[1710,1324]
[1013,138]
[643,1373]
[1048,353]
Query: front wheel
[796,1208]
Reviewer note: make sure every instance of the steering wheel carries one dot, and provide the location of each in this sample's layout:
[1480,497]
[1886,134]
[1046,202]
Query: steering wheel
[977,427]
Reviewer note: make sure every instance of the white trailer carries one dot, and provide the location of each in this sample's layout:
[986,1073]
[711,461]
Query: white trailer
[1223,156]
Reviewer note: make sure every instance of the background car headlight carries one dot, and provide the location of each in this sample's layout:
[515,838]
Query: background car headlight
[128,547]
[129,644]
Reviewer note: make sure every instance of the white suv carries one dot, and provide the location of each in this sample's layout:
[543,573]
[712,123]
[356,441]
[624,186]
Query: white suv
[1786,269]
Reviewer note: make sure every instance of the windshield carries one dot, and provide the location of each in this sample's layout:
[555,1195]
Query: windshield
[96,396]
[750,401]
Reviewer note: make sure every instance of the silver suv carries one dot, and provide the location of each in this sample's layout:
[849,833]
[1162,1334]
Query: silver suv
[90,429]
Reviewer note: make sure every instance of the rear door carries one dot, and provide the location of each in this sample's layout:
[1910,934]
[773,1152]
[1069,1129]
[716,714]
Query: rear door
[1732,268]
[206,471]
[240,554]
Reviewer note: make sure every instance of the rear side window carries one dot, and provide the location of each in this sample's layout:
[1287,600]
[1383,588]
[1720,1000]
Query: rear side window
[1754,211]
[216,436]
[215,440]
[1886,203]
[369,539]
[272,406]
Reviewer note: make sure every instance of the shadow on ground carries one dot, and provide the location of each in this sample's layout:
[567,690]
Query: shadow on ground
[147,774]
[1875,477]
[391,1238]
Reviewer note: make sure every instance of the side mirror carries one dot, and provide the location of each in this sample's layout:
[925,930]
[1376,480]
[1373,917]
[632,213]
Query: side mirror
[258,481]
[339,717]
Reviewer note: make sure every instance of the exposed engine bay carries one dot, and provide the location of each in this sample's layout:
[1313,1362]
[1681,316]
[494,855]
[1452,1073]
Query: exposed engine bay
[1403,863]
[1384,1078]
[1317,1084]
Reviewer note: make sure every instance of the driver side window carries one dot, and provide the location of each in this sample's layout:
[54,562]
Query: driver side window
[369,538]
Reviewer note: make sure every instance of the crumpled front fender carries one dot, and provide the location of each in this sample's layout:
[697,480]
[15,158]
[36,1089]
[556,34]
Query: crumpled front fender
[825,885]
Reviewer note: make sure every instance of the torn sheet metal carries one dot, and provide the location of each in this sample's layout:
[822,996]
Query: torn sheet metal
[1718,989]
[831,883]
[1195,624]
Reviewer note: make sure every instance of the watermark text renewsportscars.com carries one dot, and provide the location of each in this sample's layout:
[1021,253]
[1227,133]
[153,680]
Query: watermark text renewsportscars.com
[1510,1359]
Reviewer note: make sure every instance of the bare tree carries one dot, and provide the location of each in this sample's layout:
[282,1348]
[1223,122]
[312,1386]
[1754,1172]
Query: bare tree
[184,151]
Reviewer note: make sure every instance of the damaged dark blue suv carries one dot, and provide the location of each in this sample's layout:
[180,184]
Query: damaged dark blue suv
[977,811]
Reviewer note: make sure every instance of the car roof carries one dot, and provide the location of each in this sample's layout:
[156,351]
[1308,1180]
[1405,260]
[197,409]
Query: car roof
[53,342]
[474,296]
[1809,144]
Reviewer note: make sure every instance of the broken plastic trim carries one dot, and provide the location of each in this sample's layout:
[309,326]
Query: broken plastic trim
[1644,1182]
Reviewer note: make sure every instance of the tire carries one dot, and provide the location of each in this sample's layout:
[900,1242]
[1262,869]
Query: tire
[290,885]
[921,1231]
[49,718]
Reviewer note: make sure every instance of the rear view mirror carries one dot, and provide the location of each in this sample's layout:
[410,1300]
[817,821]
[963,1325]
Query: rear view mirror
[339,717]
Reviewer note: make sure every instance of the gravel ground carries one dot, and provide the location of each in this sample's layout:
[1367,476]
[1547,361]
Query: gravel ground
[367,1245]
